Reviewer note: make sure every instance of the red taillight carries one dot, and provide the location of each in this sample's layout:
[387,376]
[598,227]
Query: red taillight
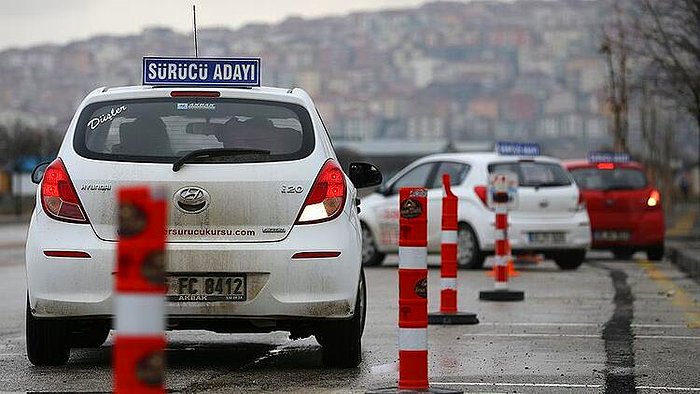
[327,196]
[606,166]
[481,193]
[58,197]
[185,93]
[654,199]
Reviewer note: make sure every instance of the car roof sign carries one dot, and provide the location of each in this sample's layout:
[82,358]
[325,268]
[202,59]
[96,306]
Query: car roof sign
[608,157]
[517,148]
[240,72]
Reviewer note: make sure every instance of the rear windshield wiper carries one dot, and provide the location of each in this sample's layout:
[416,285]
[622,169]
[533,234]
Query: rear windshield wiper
[619,187]
[212,152]
[548,184]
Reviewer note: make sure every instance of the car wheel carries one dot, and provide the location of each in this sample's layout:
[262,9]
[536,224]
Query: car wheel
[370,254]
[92,334]
[570,260]
[623,253]
[469,255]
[655,253]
[341,340]
[47,340]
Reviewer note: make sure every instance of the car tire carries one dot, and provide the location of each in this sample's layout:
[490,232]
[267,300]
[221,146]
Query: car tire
[341,340]
[655,253]
[623,254]
[570,260]
[93,335]
[371,256]
[47,340]
[469,255]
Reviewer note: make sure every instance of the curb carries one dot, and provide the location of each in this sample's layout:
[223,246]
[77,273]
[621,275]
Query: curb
[686,259]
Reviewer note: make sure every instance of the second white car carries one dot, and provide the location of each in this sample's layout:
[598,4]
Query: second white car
[550,217]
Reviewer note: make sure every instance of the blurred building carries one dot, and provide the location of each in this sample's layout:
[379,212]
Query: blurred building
[446,70]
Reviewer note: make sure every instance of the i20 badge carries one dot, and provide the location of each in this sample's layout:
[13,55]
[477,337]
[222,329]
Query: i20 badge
[191,199]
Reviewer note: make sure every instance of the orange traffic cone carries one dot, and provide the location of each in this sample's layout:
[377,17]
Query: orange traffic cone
[511,268]
[512,272]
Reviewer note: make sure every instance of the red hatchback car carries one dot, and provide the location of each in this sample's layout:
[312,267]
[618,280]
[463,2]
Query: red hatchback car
[624,208]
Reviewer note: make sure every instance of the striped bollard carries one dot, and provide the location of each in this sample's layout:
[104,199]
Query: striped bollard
[138,356]
[413,294]
[510,266]
[449,313]
[501,291]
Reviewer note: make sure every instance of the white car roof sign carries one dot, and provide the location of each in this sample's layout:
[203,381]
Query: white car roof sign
[517,148]
[608,157]
[237,72]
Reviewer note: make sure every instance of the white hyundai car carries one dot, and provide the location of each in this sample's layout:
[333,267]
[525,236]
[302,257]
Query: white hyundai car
[257,199]
[549,218]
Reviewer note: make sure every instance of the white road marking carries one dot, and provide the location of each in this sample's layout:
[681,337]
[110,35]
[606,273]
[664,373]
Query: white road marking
[558,335]
[659,325]
[543,324]
[525,324]
[538,335]
[560,385]
[499,384]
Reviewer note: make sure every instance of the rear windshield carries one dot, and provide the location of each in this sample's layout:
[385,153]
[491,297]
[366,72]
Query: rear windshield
[164,129]
[616,179]
[534,173]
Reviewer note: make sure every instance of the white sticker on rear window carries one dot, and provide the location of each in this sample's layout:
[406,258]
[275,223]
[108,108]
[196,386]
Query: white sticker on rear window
[113,112]
[207,106]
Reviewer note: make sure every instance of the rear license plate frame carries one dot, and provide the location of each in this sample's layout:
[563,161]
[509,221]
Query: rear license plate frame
[611,235]
[206,287]
[547,237]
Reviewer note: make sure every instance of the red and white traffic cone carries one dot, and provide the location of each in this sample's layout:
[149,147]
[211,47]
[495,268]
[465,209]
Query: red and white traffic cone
[413,294]
[449,313]
[138,356]
[501,291]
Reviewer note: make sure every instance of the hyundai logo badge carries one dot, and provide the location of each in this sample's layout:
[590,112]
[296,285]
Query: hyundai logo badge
[191,199]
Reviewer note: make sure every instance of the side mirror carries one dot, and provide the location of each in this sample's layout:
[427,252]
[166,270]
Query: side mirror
[364,175]
[38,172]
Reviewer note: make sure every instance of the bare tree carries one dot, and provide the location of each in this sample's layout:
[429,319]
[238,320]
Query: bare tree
[615,48]
[668,33]
[658,135]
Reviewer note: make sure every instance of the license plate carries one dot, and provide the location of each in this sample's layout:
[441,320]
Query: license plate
[611,235]
[207,288]
[552,238]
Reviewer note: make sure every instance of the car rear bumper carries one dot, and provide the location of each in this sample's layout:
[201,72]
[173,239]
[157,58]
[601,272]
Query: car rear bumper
[279,287]
[645,228]
[576,229]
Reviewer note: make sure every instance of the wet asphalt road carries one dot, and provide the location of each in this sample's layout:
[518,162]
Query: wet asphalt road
[615,326]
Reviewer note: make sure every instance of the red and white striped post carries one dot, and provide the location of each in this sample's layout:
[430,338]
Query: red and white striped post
[413,289]
[138,356]
[413,293]
[501,291]
[449,313]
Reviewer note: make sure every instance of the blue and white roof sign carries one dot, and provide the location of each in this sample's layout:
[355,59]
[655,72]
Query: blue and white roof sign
[201,71]
[517,148]
[608,157]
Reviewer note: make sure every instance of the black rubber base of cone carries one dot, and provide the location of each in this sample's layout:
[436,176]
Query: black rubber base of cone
[502,295]
[452,318]
[430,390]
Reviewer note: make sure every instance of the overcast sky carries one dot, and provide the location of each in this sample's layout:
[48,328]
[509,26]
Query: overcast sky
[29,22]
